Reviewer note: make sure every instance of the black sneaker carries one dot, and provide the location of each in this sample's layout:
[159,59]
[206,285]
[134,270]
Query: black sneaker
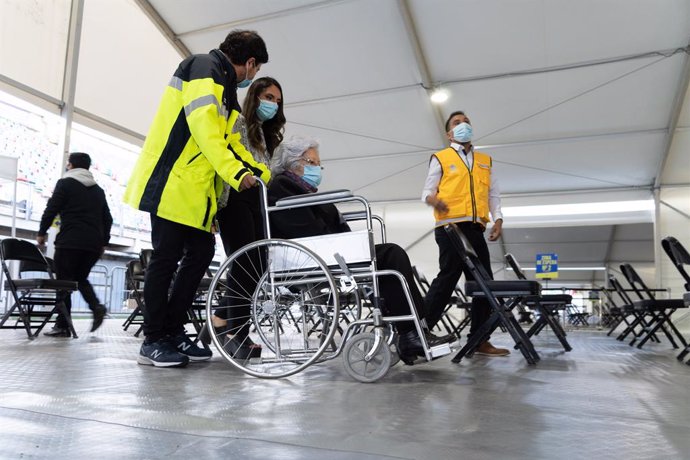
[161,354]
[185,346]
[58,332]
[99,313]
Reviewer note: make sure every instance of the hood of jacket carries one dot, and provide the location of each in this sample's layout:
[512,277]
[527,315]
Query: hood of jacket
[82,175]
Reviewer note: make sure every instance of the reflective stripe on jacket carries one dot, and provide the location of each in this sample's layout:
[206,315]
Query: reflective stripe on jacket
[465,191]
[191,143]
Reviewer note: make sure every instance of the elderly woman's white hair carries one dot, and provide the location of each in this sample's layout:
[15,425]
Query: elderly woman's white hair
[289,152]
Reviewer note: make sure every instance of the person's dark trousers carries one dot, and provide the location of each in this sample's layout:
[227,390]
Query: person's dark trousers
[75,265]
[167,314]
[390,256]
[441,289]
[241,222]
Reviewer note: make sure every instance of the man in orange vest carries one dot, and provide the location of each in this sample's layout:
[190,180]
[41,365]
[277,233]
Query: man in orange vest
[461,189]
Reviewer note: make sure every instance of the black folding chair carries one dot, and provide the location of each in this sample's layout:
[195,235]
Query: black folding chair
[548,306]
[36,300]
[616,314]
[134,278]
[196,313]
[636,321]
[680,257]
[458,300]
[659,311]
[501,295]
[576,317]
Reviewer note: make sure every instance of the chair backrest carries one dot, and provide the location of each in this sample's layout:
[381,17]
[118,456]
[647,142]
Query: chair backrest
[135,269]
[515,266]
[636,282]
[420,278]
[679,256]
[465,249]
[145,257]
[26,253]
[34,267]
[613,281]
[609,298]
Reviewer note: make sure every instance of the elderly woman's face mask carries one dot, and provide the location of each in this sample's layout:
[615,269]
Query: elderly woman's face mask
[312,175]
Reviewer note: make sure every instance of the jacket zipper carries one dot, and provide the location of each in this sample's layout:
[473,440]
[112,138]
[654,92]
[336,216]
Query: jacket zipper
[474,202]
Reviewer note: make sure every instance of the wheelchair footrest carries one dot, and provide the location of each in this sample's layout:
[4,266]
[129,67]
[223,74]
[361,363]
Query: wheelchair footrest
[440,350]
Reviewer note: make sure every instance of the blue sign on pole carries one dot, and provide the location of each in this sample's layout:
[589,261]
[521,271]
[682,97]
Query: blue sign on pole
[547,266]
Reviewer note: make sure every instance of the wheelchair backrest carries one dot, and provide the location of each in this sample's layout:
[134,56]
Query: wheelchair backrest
[355,247]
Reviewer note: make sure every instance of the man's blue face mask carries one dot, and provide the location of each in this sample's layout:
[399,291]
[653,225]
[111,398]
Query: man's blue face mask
[266,110]
[463,132]
[312,175]
[246,82]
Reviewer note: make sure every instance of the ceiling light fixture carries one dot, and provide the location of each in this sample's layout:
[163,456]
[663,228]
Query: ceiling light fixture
[579,208]
[439,95]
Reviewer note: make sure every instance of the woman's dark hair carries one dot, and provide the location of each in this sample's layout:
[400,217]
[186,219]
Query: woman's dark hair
[79,160]
[240,45]
[457,112]
[273,128]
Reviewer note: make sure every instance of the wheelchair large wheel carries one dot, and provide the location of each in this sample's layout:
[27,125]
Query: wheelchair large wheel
[354,358]
[281,302]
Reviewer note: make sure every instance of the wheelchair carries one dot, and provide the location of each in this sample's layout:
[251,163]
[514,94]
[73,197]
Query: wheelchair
[304,300]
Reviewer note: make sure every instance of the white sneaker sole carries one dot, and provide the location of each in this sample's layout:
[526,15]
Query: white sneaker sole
[149,362]
[198,359]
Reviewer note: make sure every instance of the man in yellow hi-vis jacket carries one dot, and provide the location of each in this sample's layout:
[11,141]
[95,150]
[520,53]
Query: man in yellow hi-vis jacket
[462,190]
[189,151]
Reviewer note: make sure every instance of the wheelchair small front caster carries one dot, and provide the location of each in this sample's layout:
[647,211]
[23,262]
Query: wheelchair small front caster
[354,358]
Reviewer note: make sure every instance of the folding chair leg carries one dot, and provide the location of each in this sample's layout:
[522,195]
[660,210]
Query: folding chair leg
[684,353]
[558,331]
[522,341]
[23,317]
[68,317]
[477,338]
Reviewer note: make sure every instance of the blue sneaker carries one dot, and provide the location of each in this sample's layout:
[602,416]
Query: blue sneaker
[161,353]
[185,346]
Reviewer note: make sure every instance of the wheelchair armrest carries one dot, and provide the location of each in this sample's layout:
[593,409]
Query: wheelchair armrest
[313,198]
[354,215]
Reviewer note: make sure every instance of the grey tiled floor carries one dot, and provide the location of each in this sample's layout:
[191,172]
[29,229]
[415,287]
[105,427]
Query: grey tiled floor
[87,398]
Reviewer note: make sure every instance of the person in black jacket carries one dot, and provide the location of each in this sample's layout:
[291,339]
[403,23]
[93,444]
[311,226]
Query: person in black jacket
[85,223]
[296,170]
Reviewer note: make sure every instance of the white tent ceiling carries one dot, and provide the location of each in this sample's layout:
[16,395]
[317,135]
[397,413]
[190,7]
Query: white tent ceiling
[576,101]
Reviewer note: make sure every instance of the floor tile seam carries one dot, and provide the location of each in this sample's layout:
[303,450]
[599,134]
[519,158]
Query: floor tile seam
[198,435]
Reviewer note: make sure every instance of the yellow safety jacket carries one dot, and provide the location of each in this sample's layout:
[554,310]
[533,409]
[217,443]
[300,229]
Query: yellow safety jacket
[465,191]
[191,147]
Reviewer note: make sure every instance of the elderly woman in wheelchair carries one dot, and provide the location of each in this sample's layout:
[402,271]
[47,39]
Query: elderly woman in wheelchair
[299,312]
[297,171]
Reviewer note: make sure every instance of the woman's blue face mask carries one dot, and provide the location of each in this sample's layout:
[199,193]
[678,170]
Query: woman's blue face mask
[312,175]
[266,110]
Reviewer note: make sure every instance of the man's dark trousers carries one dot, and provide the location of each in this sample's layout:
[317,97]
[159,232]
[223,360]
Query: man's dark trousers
[451,268]
[165,309]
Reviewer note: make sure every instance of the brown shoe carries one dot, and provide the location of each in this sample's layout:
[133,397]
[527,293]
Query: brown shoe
[486,349]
